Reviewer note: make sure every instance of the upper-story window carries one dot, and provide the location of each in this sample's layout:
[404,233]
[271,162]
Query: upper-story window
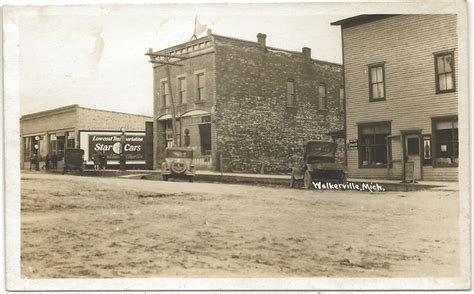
[377,82]
[341,99]
[290,93]
[165,97]
[200,86]
[182,99]
[322,99]
[444,67]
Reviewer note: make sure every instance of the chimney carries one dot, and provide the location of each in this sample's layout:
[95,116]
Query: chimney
[209,32]
[262,40]
[307,53]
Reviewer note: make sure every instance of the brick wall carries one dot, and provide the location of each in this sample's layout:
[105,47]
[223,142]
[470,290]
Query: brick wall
[66,119]
[94,119]
[406,44]
[256,131]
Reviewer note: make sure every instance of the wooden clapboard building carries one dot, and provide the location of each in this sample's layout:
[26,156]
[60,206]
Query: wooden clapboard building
[401,96]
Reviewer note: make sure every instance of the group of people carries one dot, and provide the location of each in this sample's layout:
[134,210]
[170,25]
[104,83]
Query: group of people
[100,160]
[50,161]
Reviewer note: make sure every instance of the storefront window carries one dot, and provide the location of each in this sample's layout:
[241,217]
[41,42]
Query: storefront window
[71,140]
[53,144]
[446,142]
[373,144]
[26,148]
[33,145]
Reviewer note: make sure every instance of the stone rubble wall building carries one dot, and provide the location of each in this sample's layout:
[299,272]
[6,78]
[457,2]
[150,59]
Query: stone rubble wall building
[253,128]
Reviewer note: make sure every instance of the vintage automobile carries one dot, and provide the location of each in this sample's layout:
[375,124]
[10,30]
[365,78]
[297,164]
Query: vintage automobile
[178,163]
[73,160]
[319,164]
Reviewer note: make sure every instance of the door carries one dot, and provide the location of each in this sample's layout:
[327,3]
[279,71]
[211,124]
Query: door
[412,154]
[206,143]
[61,141]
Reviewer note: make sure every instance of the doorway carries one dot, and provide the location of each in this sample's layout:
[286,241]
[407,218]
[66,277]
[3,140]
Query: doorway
[412,152]
[61,141]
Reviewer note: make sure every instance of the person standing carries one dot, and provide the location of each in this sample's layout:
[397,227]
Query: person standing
[47,159]
[34,160]
[54,161]
[104,160]
[96,160]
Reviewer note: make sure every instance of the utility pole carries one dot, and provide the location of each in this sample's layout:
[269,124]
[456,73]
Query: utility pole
[173,108]
[168,61]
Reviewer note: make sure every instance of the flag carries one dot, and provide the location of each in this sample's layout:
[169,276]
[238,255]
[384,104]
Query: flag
[199,28]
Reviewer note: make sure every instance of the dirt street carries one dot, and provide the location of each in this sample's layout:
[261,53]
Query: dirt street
[110,227]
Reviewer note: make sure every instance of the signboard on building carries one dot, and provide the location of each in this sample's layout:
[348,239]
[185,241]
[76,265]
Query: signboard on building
[352,144]
[110,144]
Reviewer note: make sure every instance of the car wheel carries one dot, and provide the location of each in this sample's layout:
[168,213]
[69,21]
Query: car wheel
[307,180]
[191,179]
[165,178]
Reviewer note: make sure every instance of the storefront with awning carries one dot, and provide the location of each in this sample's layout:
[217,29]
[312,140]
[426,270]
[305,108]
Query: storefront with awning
[193,129]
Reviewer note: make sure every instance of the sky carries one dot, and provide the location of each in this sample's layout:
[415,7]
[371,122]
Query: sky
[94,55]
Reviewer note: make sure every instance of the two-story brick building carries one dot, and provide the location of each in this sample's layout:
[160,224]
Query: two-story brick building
[243,103]
[401,100]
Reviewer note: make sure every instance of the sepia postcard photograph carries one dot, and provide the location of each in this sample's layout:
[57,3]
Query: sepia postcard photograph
[237,146]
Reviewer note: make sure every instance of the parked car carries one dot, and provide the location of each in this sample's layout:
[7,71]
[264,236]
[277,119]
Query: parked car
[178,163]
[73,160]
[318,164]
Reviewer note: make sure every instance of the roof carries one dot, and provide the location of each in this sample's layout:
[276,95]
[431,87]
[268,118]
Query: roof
[185,44]
[67,108]
[360,19]
[246,42]
[254,43]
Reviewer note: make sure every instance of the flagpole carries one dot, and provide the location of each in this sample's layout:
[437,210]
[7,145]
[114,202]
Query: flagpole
[194,34]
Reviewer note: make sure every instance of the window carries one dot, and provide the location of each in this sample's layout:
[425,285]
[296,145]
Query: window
[290,93]
[322,100]
[341,99]
[70,143]
[445,141]
[444,68]
[182,99]
[26,148]
[200,86]
[165,94]
[206,119]
[413,146]
[377,82]
[373,144]
[427,150]
[53,144]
